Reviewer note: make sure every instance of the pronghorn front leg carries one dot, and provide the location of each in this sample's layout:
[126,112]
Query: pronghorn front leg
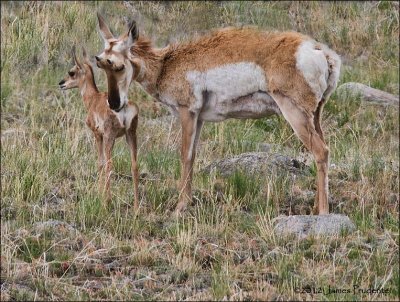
[132,142]
[108,141]
[191,128]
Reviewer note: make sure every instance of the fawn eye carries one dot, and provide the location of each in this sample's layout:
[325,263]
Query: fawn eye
[71,73]
[109,61]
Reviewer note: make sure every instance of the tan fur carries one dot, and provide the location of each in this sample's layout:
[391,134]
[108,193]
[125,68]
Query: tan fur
[105,125]
[278,60]
[296,77]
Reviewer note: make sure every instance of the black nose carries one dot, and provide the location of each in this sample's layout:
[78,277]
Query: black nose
[62,82]
[97,58]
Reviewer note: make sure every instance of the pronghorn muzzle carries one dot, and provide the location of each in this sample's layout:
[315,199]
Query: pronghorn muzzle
[62,85]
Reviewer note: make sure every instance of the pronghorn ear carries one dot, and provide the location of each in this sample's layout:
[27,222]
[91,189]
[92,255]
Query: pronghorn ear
[133,33]
[75,58]
[104,30]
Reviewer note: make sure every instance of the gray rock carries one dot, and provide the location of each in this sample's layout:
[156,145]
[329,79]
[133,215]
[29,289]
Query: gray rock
[52,199]
[10,290]
[57,229]
[113,265]
[318,225]
[253,163]
[53,224]
[94,285]
[367,94]
[66,235]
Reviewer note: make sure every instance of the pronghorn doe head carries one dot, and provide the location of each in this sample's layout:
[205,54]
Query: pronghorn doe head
[118,63]
[76,75]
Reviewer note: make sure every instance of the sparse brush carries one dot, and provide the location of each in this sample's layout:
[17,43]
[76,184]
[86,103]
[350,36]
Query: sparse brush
[224,247]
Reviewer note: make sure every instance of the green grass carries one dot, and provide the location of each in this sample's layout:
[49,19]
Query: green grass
[224,246]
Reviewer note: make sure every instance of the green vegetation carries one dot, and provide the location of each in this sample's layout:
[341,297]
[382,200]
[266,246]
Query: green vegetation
[224,247]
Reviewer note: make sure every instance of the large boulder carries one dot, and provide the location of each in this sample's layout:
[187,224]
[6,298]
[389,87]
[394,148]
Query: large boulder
[255,163]
[319,225]
[367,94]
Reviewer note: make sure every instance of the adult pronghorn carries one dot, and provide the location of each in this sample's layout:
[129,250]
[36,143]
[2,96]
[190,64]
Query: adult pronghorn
[230,73]
[106,124]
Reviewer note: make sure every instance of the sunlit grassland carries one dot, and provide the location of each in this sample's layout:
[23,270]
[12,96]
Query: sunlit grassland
[224,246]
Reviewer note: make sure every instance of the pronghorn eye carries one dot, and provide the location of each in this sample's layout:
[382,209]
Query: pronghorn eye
[71,73]
[109,61]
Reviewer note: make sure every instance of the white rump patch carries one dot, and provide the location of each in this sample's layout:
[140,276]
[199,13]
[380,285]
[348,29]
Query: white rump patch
[312,64]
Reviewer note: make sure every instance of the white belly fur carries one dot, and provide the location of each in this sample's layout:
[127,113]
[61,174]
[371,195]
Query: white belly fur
[231,91]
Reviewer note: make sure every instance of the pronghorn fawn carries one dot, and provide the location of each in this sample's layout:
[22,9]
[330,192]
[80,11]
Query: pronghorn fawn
[230,73]
[105,123]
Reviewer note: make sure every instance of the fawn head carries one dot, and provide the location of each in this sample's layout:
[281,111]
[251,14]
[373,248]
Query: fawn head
[76,75]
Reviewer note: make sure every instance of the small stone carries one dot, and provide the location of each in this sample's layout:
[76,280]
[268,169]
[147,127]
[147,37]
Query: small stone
[60,231]
[113,265]
[54,225]
[93,285]
[319,225]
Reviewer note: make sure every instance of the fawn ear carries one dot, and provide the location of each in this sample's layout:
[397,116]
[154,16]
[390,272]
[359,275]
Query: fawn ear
[85,56]
[76,61]
[104,30]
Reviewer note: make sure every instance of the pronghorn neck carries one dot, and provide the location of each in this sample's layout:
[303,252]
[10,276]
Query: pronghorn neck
[152,63]
[152,72]
[88,87]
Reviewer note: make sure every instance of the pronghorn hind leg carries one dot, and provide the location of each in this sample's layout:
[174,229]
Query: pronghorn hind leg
[131,139]
[317,119]
[199,126]
[304,127]
[317,125]
[191,128]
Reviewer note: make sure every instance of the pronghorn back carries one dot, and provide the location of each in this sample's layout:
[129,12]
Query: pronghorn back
[250,60]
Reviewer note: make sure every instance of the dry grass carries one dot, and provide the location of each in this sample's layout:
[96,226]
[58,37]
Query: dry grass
[224,247]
